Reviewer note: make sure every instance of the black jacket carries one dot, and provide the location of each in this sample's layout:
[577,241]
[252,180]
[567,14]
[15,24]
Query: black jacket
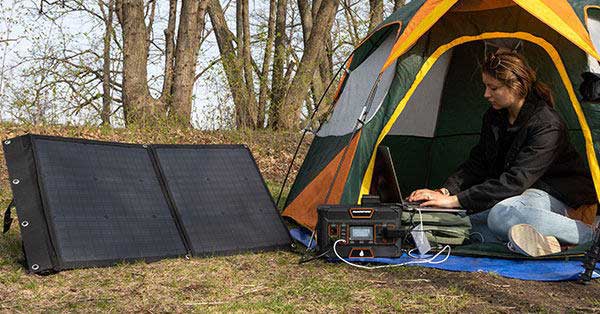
[540,156]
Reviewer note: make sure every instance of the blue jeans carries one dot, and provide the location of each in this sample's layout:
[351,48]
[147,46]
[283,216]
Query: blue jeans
[545,213]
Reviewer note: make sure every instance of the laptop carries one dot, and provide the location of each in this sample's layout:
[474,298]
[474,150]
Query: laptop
[385,184]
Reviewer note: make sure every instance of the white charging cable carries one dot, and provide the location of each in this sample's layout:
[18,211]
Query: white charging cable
[418,261]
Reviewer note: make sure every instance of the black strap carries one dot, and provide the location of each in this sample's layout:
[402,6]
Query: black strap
[7,218]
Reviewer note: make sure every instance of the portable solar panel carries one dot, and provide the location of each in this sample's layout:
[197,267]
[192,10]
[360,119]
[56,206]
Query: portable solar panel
[222,200]
[87,203]
[96,203]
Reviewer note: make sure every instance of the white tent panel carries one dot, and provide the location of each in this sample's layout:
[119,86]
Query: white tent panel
[593,25]
[419,117]
[356,91]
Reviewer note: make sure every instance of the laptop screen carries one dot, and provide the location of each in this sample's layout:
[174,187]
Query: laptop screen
[384,182]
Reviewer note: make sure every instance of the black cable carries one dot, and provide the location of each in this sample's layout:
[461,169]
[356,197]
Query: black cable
[303,259]
[344,65]
[360,121]
[312,116]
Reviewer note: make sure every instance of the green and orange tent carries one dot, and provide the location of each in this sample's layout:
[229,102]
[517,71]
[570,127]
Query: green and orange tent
[415,84]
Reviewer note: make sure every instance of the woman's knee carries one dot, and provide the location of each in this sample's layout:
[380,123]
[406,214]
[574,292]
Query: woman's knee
[503,216]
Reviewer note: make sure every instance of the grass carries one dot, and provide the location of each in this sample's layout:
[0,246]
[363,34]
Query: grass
[263,282]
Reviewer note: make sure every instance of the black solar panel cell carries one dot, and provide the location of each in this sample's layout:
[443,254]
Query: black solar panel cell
[223,202]
[86,203]
[104,202]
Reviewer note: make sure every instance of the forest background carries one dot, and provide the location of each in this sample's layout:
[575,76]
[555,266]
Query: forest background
[207,64]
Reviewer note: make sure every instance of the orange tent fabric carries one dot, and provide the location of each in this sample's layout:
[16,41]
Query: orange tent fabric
[557,14]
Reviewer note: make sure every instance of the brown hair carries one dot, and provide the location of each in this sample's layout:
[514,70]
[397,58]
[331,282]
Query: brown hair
[511,69]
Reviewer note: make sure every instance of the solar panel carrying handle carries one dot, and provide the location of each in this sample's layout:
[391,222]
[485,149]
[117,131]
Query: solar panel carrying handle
[7,218]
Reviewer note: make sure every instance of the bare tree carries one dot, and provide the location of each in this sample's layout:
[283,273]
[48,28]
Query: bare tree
[278,81]
[107,12]
[325,70]
[275,67]
[181,56]
[236,64]
[398,4]
[88,76]
[266,65]
[295,95]
[375,13]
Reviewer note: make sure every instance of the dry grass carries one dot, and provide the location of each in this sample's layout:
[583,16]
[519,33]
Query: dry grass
[265,282]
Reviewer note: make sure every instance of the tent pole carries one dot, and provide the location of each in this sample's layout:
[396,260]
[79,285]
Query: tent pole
[306,129]
[360,121]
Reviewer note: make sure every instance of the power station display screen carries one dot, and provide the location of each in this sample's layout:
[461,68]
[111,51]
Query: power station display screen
[361,233]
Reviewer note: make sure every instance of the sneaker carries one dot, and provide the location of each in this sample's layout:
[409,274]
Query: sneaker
[524,239]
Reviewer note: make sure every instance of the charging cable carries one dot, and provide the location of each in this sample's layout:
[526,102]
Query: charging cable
[418,261]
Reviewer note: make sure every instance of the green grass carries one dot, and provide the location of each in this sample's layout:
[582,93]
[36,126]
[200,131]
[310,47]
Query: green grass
[258,283]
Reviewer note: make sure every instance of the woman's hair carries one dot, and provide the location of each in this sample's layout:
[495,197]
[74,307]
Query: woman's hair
[511,69]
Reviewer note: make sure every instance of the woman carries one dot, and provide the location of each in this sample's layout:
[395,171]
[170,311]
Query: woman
[524,174]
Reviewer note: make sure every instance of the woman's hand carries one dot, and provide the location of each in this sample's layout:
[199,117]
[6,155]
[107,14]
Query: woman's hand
[444,201]
[424,195]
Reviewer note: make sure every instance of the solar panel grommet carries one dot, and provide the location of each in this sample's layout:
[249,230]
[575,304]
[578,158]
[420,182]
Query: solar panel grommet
[16,181]
[24,223]
[35,267]
[7,142]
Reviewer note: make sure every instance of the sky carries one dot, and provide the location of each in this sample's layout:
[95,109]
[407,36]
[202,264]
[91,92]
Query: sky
[21,22]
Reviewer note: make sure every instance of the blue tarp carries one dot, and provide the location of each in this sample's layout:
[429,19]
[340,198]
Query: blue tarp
[538,270]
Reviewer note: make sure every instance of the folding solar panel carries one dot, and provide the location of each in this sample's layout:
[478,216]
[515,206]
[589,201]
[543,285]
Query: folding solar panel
[99,203]
[87,203]
[223,202]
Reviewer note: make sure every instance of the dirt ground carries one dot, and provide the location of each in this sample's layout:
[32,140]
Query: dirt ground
[265,282]
[512,295]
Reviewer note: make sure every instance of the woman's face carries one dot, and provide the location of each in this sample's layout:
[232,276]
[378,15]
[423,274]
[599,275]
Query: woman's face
[498,94]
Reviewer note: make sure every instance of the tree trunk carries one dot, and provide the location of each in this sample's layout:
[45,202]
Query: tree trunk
[306,19]
[308,64]
[326,75]
[353,24]
[189,34]
[323,76]
[279,84]
[138,105]
[169,57]
[398,4]
[175,101]
[106,87]
[232,65]
[252,115]
[264,76]
[375,13]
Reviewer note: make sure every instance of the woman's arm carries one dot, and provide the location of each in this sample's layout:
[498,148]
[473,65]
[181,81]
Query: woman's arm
[531,162]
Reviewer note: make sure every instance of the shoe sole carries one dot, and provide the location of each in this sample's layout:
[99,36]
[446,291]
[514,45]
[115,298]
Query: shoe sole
[528,241]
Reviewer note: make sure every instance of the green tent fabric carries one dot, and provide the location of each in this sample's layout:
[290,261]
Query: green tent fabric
[429,100]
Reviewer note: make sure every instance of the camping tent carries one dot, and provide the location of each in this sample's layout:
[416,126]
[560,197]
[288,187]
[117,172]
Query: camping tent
[415,85]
